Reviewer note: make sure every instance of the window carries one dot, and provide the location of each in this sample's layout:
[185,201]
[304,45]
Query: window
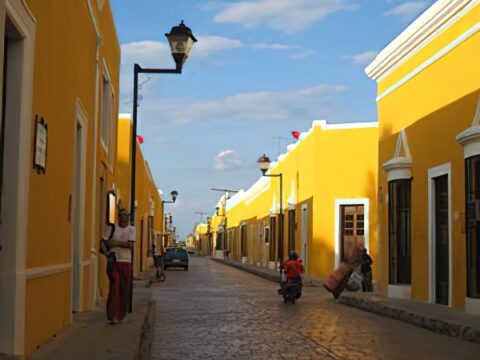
[112,129]
[472,176]
[273,237]
[399,192]
[243,240]
[106,110]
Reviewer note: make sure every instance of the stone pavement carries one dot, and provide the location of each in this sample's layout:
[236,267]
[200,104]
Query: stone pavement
[90,337]
[214,311]
[438,318]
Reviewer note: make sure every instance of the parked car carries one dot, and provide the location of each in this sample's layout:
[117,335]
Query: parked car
[176,257]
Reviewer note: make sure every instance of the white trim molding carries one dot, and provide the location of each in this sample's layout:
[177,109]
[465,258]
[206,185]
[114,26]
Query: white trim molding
[400,166]
[400,291]
[470,137]
[366,210]
[459,40]
[324,125]
[445,169]
[17,171]
[43,271]
[428,26]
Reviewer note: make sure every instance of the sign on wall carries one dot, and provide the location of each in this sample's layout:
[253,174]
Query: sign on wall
[40,145]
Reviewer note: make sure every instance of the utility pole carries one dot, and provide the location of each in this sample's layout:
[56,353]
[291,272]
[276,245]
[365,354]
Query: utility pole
[201,213]
[279,138]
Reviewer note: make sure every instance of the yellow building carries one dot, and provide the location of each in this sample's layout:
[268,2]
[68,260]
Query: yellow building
[429,154]
[203,239]
[149,212]
[329,201]
[62,63]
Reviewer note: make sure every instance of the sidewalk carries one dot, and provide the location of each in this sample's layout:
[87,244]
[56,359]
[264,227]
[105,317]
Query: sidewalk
[90,337]
[438,318]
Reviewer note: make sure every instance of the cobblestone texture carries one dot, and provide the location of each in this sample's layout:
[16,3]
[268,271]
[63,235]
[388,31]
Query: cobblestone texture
[217,312]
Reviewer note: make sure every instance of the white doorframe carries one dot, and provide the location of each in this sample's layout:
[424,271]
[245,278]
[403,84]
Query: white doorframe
[15,196]
[444,169]
[78,215]
[366,210]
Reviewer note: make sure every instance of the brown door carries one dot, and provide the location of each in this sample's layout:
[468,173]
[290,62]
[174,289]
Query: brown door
[441,240]
[352,229]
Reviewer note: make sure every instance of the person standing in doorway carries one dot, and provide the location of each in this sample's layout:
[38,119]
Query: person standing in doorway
[120,243]
[366,267]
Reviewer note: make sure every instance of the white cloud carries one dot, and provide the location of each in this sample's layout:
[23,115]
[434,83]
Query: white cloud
[145,52]
[408,9]
[258,106]
[275,47]
[148,52]
[284,15]
[226,159]
[365,57]
[208,45]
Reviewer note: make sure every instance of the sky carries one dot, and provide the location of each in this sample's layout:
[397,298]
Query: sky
[260,70]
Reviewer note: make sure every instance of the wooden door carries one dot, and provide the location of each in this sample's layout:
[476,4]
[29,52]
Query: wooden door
[352,229]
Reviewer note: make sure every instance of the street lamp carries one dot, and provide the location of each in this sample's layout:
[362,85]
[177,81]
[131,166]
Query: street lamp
[174,195]
[181,41]
[264,165]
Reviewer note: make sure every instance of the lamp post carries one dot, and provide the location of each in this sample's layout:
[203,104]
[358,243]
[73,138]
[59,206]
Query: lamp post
[174,195]
[264,165]
[226,192]
[181,41]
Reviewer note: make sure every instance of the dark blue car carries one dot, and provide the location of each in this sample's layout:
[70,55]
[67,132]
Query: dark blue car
[176,257]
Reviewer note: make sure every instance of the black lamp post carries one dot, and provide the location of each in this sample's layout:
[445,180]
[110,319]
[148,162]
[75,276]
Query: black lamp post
[174,195]
[264,165]
[181,41]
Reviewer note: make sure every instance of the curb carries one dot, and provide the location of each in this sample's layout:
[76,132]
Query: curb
[249,270]
[146,334]
[438,325]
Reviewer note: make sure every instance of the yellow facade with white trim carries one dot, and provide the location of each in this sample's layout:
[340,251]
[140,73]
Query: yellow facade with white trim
[329,166]
[428,90]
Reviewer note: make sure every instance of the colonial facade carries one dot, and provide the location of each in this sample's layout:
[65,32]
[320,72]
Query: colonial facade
[58,143]
[329,202]
[429,149]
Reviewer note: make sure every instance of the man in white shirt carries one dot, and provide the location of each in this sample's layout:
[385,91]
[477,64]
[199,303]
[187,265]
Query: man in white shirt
[120,243]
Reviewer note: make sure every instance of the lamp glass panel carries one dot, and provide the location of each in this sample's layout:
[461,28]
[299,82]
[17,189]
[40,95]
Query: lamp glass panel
[264,165]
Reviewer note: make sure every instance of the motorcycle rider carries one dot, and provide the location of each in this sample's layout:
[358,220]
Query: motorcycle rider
[293,268]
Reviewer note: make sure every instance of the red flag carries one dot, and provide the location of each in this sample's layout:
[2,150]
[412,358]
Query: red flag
[296,134]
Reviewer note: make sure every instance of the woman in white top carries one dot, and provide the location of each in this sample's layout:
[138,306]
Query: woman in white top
[120,243]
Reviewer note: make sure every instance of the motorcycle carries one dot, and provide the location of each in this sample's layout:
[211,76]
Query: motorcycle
[291,290]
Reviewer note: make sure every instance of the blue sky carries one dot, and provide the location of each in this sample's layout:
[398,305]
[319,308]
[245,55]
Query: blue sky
[260,69]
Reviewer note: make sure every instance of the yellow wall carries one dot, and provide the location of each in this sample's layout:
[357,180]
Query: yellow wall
[433,106]
[145,191]
[327,164]
[64,72]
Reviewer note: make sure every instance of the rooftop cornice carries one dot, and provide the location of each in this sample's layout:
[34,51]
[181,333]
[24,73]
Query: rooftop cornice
[441,15]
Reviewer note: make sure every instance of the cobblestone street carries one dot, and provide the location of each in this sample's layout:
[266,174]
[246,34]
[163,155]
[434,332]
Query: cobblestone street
[214,311]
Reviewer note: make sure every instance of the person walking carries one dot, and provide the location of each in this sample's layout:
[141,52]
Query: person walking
[366,267]
[120,241]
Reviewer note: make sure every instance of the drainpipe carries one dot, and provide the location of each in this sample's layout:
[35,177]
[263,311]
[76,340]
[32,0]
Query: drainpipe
[93,253]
